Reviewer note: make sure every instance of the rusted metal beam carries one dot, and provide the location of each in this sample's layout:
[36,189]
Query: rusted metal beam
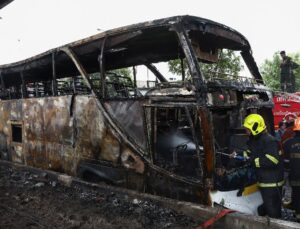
[134,79]
[251,64]
[182,69]
[195,139]
[80,68]
[102,68]
[208,141]
[197,76]
[2,81]
[23,85]
[54,83]
[154,70]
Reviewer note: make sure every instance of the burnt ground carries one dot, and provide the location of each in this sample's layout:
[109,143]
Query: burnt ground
[28,200]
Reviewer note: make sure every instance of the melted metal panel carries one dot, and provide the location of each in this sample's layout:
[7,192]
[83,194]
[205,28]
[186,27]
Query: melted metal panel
[94,140]
[17,153]
[129,115]
[48,131]
[11,114]
[5,107]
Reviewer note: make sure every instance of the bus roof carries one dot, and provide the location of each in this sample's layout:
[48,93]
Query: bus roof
[4,3]
[144,40]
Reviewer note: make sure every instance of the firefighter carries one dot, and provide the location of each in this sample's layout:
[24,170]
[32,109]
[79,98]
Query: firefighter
[288,134]
[289,121]
[265,158]
[281,130]
[287,78]
[292,148]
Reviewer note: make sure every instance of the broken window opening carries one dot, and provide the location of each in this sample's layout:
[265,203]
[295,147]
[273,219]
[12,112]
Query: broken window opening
[174,145]
[13,92]
[39,89]
[120,86]
[72,85]
[16,132]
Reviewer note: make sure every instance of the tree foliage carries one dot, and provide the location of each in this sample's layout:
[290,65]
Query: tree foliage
[228,64]
[270,70]
[123,72]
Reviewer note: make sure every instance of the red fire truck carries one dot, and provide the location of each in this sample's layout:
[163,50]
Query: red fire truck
[285,105]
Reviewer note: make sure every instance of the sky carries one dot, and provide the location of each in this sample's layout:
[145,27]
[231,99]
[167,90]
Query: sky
[30,27]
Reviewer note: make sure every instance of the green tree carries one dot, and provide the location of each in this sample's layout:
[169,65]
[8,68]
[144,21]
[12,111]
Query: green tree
[126,72]
[270,70]
[229,64]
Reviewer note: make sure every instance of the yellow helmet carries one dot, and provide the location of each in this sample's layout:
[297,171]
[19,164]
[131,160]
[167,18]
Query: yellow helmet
[255,123]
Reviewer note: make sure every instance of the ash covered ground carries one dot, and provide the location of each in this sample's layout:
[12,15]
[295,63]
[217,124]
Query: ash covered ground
[28,200]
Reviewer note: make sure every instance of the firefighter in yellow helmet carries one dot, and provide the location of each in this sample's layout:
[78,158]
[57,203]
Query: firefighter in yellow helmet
[268,165]
[292,148]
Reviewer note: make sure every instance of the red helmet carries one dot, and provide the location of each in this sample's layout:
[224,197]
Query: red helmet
[290,117]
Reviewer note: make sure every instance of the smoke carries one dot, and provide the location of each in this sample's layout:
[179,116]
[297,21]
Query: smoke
[175,139]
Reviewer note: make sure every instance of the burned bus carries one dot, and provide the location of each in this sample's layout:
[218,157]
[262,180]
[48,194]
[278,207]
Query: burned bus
[73,110]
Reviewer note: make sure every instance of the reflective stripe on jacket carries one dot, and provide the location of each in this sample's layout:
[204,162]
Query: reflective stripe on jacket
[271,185]
[267,162]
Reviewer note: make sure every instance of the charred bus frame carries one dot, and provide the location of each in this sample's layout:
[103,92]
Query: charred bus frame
[67,110]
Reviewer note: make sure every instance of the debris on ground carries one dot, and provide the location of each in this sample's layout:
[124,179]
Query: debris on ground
[28,200]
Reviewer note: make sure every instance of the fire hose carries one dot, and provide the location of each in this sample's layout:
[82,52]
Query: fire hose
[235,156]
[212,220]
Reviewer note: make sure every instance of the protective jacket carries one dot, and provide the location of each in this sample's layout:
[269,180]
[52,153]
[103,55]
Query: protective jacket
[266,160]
[292,149]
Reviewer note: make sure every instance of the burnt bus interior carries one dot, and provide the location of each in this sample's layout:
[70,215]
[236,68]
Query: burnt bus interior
[178,126]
